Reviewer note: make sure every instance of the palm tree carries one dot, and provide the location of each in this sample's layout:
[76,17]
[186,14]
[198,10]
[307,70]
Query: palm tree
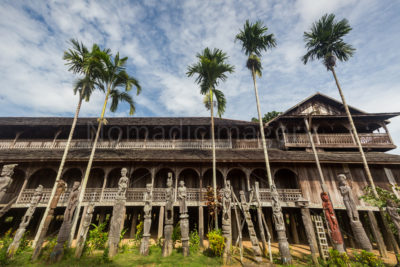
[325,41]
[110,76]
[77,59]
[254,40]
[210,70]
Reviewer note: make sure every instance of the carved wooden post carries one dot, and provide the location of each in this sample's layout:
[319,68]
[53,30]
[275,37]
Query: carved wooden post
[308,227]
[61,186]
[250,226]
[201,212]
[65,229]
[5,178]
[25,221]
[118,215]
[355,223]
[377,234]
[184,218]
[160,222]
[148,198]
[293,228]
[280,226]
[226,221]
[169,218]
[83,230]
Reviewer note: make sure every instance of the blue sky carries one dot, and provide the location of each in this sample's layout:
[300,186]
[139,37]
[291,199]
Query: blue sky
[161,38]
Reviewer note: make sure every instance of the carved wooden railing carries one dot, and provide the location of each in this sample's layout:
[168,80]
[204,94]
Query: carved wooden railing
[338,140]
[285,195]
[138,144]
[136,195]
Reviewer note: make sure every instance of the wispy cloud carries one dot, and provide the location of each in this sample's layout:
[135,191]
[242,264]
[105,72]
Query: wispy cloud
[161,38]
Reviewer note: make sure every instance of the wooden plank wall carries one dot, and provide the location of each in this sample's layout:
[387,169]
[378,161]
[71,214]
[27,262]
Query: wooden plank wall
[308,179]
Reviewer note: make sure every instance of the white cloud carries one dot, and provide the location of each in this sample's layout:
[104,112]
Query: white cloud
[161,38]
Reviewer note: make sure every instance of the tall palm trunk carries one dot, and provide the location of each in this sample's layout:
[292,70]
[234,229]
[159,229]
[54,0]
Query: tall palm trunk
[88,169]
[364,159]
[42,225]
[214,164]
[282,240]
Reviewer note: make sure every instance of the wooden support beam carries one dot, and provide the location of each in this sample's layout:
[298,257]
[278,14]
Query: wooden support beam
[132,232]
[160,222]
[377,234]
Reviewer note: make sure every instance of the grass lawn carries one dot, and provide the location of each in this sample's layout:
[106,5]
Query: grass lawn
[130,257]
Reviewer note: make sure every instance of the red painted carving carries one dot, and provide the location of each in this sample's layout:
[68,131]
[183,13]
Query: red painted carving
[331,219]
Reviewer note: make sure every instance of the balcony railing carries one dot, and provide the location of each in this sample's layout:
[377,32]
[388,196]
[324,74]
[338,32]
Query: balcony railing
[136,195]
[373,140]
[137,144]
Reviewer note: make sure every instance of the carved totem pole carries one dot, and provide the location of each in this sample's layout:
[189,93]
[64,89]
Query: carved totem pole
[355,223]
[169,218]
[333,225]
[277,217]
[148,198]
[250,226]
[25,221]
[86,220]
[5,178]
[227,221]
[308,227]
[65,229]
[393,212]
[184,217]
[118,216]
[61,186]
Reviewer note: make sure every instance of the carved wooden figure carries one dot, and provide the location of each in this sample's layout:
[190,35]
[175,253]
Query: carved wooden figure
[358,230]
[184,218]
[227,221]
[25,221]
[333,225]
[87,219]
[65,229]
[118,215]
[148,198]
[61,186]
[280,226]
[309,229]
[5,178]
[169,218]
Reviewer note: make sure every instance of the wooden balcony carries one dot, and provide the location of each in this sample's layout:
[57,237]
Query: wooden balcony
[137,144]
[373,140]
[134,196]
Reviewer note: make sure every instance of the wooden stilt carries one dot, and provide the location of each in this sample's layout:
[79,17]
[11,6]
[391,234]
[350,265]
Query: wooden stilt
[377,234]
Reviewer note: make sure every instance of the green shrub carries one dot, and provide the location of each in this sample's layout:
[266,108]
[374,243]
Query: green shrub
[216,242]
[5,242]
[48,248]
[176,233]
[24,243]
[97,237]
[139,231]
[194,240]
[337,259]
[368,259]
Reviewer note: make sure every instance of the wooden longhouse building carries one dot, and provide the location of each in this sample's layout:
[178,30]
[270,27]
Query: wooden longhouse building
[151,147]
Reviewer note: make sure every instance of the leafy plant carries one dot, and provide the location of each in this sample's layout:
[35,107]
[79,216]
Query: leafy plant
[337,259]
[97,237]
[176,233]
[216,242]
[48,248]
[24,243]
[194,240]
[384,196]
[368,259]
[139,231]
[5,242]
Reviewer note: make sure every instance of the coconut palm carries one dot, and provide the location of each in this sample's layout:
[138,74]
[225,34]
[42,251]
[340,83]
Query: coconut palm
[324,41]
[110,76]
[210,70]
[77,58]
[255,40]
